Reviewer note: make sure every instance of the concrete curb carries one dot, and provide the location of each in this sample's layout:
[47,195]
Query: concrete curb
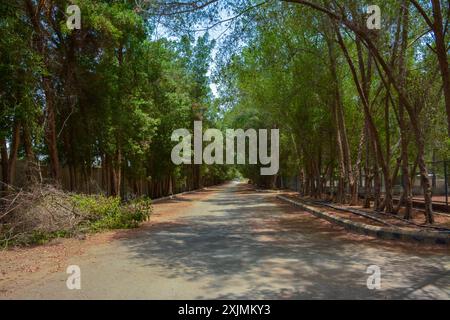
[436,237]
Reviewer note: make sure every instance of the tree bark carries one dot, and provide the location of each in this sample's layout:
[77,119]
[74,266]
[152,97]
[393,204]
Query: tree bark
[407,194]
[50,108]
[5,164]
[441,48]
[15,142]
[341,137]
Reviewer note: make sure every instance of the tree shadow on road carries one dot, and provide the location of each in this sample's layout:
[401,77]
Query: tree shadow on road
[247,247]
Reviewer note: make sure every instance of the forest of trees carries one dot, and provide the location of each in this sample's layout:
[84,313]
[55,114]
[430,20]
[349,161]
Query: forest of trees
[105,96]
[349,101]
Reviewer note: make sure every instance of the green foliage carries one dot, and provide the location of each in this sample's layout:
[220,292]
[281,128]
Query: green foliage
[118,93]
[42,237]
[281,78]
[96,206]
[109,213]
[36,237]
[71,215]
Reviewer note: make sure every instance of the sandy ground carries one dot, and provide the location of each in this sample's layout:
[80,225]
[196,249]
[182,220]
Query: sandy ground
[227,242]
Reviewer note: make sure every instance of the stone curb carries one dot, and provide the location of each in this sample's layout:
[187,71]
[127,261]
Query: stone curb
[375,231]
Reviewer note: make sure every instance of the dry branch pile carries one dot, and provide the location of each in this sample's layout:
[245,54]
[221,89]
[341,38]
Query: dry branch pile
[39,209]
[44,212]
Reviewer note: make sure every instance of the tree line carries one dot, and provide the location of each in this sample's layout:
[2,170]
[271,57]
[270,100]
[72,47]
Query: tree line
[358,108]
[106,96]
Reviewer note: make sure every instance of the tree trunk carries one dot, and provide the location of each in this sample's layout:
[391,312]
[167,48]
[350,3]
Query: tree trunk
[371,125]
[30,158]
[50,110]
[441,51]
[339,126]
[407,195]
[367,174]
[5,164]
[15,142]
[116,173]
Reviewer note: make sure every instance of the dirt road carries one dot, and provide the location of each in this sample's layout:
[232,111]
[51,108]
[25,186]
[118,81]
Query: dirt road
[232,242]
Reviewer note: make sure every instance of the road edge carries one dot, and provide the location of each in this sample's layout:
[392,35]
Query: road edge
[387,233]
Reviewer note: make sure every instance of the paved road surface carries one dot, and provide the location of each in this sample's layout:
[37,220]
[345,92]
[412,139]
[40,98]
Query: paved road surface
[236,243]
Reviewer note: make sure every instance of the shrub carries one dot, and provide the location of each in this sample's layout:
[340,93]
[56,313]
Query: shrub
[42,237]
[43,213]
[108,213]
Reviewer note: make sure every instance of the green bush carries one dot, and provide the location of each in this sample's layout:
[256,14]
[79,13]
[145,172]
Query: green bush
[36,215]
[109,213]
[96,206]
[60,215]
[42,237]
